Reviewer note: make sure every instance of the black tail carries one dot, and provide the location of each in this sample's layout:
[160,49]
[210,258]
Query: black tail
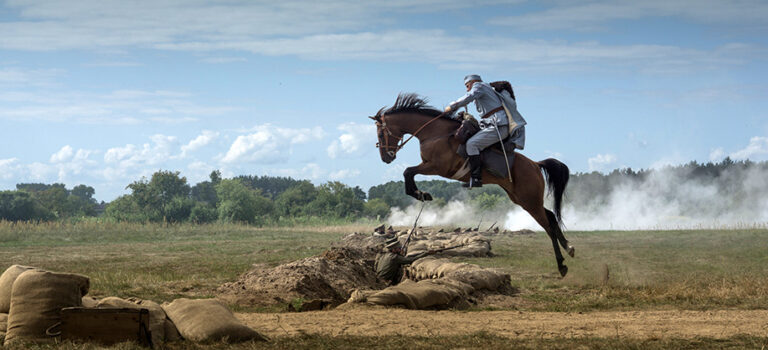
[556,173]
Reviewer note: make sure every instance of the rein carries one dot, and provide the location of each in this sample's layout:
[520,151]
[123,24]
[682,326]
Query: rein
[400,142]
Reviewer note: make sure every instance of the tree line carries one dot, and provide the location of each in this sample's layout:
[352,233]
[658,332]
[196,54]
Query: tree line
[167,196]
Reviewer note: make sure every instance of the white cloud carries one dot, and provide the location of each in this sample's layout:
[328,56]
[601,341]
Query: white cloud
[341,30]
[311,171]
[269,144]
[64,154]
[8,168]
[716,154]
[352,140]
[590,15]
[601,161]
[117,107]
[343,174]
[200,141]
[124,162]
[758,146]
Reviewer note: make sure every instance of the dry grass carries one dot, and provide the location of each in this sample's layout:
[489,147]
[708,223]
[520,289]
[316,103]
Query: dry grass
[473,341]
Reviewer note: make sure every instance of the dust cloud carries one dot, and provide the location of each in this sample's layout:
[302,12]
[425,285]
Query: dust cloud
[667,198]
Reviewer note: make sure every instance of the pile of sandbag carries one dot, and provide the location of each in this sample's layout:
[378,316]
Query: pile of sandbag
[451,244]
[329,277]
[436,284]
[478,277]
[32,299]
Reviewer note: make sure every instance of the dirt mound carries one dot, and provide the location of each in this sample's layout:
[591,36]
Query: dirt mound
[330,276]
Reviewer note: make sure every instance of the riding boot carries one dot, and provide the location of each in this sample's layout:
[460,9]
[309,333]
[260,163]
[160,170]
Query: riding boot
[476,171]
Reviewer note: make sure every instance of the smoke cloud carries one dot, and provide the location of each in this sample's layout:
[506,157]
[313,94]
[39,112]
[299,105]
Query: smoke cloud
[668,198]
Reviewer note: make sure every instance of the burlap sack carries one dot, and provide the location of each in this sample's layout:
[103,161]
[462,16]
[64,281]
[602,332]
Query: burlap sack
[171,333]
[36,302]
[206,320]
[156,314]
[6,285]
[419,295]
[90,302]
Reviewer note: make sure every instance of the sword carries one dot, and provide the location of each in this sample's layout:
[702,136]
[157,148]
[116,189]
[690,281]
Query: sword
[503,149]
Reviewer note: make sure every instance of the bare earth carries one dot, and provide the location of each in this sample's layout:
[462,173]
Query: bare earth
[514,324]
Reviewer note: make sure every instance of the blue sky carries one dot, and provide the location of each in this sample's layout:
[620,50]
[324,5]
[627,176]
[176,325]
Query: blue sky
[105,92]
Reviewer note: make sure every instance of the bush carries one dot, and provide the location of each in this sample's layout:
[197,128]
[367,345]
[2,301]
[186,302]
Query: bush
[376,208]
[202,213]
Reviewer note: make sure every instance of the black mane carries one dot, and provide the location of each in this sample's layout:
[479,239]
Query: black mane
[411,103]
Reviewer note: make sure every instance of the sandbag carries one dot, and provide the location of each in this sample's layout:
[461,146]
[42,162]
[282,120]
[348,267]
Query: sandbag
[36,302]
[6,284]
[420,295]
[476,276]
[90,302]
[171,333]
[206,320]
[156,313]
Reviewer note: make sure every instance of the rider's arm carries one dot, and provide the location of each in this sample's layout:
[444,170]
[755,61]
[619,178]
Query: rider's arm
[466,99]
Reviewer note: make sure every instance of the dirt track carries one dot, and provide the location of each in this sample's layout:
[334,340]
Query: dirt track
[631,324]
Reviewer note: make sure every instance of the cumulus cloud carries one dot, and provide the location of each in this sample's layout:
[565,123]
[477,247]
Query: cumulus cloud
[343,174]
[201,140]
[131,158]
[758,146]
[62,155]
[269,144]
[601,161]
[352,141]
[311,171]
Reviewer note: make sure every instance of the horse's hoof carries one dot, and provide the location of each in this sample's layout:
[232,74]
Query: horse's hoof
[425,196]
[563,270]
[571,251]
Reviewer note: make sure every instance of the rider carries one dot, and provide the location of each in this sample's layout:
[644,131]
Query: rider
[494,122]
[388,264]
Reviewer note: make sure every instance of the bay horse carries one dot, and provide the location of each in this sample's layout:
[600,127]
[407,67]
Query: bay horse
[411,115]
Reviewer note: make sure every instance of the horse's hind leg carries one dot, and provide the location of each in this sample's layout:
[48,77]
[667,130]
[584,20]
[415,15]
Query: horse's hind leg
[540,215]
[559,233]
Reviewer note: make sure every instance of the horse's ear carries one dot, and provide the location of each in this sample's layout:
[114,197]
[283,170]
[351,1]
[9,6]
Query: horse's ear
[374,118]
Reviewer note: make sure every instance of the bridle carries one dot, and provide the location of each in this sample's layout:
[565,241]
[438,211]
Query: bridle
[392,149]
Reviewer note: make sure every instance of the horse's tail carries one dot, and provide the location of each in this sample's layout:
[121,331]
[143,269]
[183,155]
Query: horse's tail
[556,173]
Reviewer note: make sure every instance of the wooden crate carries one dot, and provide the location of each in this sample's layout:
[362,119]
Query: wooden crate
[106,325]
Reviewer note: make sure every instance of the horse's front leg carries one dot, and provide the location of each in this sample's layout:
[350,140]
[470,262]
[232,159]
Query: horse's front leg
[410,184]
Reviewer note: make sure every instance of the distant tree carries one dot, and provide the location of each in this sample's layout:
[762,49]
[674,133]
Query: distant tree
[294,200]
[269,186]
[21,206]
[239,203]
[376,208]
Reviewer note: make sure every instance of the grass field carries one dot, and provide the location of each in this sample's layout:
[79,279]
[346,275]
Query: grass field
[613,270]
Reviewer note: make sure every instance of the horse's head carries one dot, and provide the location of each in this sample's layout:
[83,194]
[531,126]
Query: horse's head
[388,141]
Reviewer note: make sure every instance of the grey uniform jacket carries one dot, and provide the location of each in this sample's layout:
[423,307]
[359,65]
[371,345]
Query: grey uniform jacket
[486,99]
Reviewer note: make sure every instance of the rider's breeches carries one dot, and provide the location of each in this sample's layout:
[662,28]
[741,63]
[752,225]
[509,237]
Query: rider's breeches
[484,138]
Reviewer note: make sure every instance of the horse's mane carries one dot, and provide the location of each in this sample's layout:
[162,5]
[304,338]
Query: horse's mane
[411,103]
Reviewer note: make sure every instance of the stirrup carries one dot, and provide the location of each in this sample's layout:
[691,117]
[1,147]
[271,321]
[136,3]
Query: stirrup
[473,182]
